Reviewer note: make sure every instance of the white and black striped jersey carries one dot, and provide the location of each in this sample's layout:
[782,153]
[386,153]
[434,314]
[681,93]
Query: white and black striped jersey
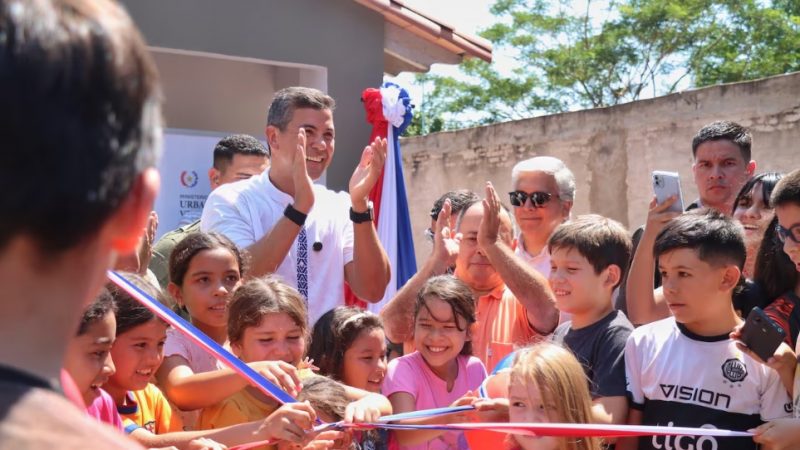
[677,378]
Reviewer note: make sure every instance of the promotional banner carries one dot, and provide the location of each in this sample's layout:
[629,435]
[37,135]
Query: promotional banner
[184,168]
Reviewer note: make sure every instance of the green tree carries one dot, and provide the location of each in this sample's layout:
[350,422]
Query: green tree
[568,59]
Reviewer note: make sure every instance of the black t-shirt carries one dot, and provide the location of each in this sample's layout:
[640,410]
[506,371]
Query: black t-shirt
[600,348]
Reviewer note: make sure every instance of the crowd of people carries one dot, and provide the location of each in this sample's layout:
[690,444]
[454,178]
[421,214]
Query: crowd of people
[524,314]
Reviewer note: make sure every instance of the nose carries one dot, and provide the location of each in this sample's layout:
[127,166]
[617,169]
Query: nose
[318,143]
[790,246]
[716,171]
[382,365]
[279,350]
[753,212]
[108,366]
[222,290]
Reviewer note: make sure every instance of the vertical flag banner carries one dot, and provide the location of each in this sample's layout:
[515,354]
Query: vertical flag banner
[389,111]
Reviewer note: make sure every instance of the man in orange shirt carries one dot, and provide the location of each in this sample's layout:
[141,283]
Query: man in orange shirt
[514,303]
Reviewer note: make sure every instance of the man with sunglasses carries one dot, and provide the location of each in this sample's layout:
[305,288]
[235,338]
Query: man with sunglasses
[544,191]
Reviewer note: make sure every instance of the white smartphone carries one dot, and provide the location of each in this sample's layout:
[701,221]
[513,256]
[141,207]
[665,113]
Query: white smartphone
[665,185]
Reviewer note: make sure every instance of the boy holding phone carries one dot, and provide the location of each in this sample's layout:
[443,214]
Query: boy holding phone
[685,370]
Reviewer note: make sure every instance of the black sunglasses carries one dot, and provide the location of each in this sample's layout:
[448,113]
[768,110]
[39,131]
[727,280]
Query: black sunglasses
[792,233]
[538,199]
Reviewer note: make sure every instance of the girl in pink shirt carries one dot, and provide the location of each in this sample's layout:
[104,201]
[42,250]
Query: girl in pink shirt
[442,371]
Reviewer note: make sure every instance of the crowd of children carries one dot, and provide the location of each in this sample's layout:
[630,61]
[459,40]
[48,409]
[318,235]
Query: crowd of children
[137,374]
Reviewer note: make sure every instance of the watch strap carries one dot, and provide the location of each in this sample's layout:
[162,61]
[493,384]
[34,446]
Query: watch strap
[294,215]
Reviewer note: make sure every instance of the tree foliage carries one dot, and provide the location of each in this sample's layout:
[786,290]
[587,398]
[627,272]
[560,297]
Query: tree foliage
[572,59]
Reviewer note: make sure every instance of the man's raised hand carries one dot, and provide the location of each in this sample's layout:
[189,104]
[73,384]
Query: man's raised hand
[489,229]
[303,185]
[367,173]
[445,240]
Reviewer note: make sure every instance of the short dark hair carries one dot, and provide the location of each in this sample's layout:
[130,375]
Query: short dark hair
[459,199]
[717,238]
[787,191]
[80,117]
[237,144]
[259,297]
[196,242]
[334,333]
[602,241]
[130,312]
[285,101]
[725,130]
[768,182]
[455,293]
[102,305]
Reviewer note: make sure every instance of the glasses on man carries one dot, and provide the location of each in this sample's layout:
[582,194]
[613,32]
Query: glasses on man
[792,233]
[538,199]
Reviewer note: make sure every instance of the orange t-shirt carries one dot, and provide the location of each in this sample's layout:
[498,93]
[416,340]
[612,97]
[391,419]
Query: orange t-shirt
[502,324]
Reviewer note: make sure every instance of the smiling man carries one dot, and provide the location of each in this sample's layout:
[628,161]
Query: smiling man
[313,237]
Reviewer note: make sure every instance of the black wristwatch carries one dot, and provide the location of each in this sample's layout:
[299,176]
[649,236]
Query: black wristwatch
[362,216]
[294,215]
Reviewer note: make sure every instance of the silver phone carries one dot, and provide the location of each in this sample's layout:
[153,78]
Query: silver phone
[665,185]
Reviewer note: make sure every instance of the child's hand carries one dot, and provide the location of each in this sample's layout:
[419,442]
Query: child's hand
[330,439]
[279,373]
[205,444]
[779,434]
[491,409]
[290,422]
[308,363]
[366,409]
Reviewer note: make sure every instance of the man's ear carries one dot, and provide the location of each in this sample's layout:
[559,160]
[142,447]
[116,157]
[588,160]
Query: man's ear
[272,138]
[751,168]
[566,209]
[213,177]
[730,278]
[127,224]
[613,275]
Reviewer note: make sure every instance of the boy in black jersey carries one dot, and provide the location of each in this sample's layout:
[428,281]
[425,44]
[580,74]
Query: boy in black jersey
[588,259]
[685,370]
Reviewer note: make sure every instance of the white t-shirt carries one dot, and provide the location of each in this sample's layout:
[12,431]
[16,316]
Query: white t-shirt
[245,211]
[677,378]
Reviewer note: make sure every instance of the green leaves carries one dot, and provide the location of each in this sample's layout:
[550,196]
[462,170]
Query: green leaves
[606,53]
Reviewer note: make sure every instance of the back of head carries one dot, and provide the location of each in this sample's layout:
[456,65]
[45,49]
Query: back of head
[325,395]
[787,191]
[716,238]
[130,312]
[237,144]
[602,241]
[560,381]
[334,333]
[725,130]
[100,306]
[80,117]
[259,297]
[565,179]
[288,99]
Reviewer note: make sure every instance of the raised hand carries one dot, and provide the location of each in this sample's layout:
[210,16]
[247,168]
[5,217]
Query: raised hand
[489,229]
[303,185]
[445,240]
[658,216]
[367,172]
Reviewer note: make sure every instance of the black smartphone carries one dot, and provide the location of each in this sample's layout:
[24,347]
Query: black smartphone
[761,334]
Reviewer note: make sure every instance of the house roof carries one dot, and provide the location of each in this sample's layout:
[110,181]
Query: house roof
[414,40]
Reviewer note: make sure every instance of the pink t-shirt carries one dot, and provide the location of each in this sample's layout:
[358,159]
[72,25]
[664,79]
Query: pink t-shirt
[411,374]
[199,360]
[104,410]
[177,344]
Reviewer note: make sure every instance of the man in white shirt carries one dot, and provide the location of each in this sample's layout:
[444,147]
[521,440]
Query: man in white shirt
[300,230]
